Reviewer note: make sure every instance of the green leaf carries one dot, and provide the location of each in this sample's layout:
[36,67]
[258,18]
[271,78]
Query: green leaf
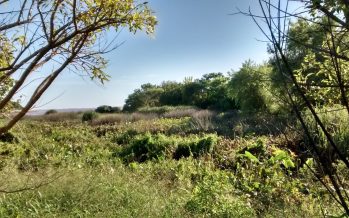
[251,157]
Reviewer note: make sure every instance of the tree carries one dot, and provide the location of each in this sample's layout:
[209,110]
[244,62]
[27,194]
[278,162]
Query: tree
[300,31]
[62,34]
[249,87]
[210,91]
[172,94]
[6,56]
[192,93]
[216,87]
[332,16]
[147,96]
[104,109]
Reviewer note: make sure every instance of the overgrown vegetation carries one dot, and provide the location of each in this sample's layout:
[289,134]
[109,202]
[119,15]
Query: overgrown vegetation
[268,140]
[154,167]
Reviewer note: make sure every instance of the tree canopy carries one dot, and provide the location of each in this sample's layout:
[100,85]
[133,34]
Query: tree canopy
[62,34]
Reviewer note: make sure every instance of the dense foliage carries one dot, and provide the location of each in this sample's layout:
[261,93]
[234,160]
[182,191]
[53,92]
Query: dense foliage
[218,146]
[154,167]
[63,35]
[104,109]
[213,91]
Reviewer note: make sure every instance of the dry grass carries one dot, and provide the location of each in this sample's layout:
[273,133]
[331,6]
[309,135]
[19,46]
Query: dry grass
[180,113]
[202,120]
[109,119]
[57,117]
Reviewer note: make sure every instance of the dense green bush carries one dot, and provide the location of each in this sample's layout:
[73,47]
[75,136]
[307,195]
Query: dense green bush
[195,147]
[336,121]
[146,147]
[125,137]
[250,88]
[213,197]
[208,92]
[116,109]
[8,137]
[222,177]
[143,147]
[183,150]
[89,116]
[104,109]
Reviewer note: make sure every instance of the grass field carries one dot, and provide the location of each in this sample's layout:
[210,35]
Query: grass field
[183,164]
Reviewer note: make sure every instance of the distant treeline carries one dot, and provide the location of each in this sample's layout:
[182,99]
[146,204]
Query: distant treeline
[243,90]
[211,91]
[264,87]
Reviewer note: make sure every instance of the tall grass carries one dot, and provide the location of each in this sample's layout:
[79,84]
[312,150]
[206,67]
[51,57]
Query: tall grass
[57,117]
[336,121]
[114,191]
[109,119]
[165,109]
[178,113]
[145,169]
[203,120]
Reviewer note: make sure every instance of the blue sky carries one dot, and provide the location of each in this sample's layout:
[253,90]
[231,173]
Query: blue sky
[193,37]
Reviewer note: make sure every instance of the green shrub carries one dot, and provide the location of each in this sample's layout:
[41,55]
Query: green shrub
[116,109]
[258,149]
[336,121]
[204,145]
[107,109]
[89,116]
[104,109]
[183,150]
[259,179]
[146,147]
[125,137]
[213,197]
[197,147]
[8,137]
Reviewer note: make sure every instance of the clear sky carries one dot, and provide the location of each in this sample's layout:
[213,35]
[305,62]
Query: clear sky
[193,37]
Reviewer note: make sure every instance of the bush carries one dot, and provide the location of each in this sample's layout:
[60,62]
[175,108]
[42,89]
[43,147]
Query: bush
[104,109]
[146,147]
[116,109]
[336,121]
[182,151]
[52,111]
[8,137]
[125,137]
[108,119]
[89,116]
[196,148]
[204,145]
[213,197]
